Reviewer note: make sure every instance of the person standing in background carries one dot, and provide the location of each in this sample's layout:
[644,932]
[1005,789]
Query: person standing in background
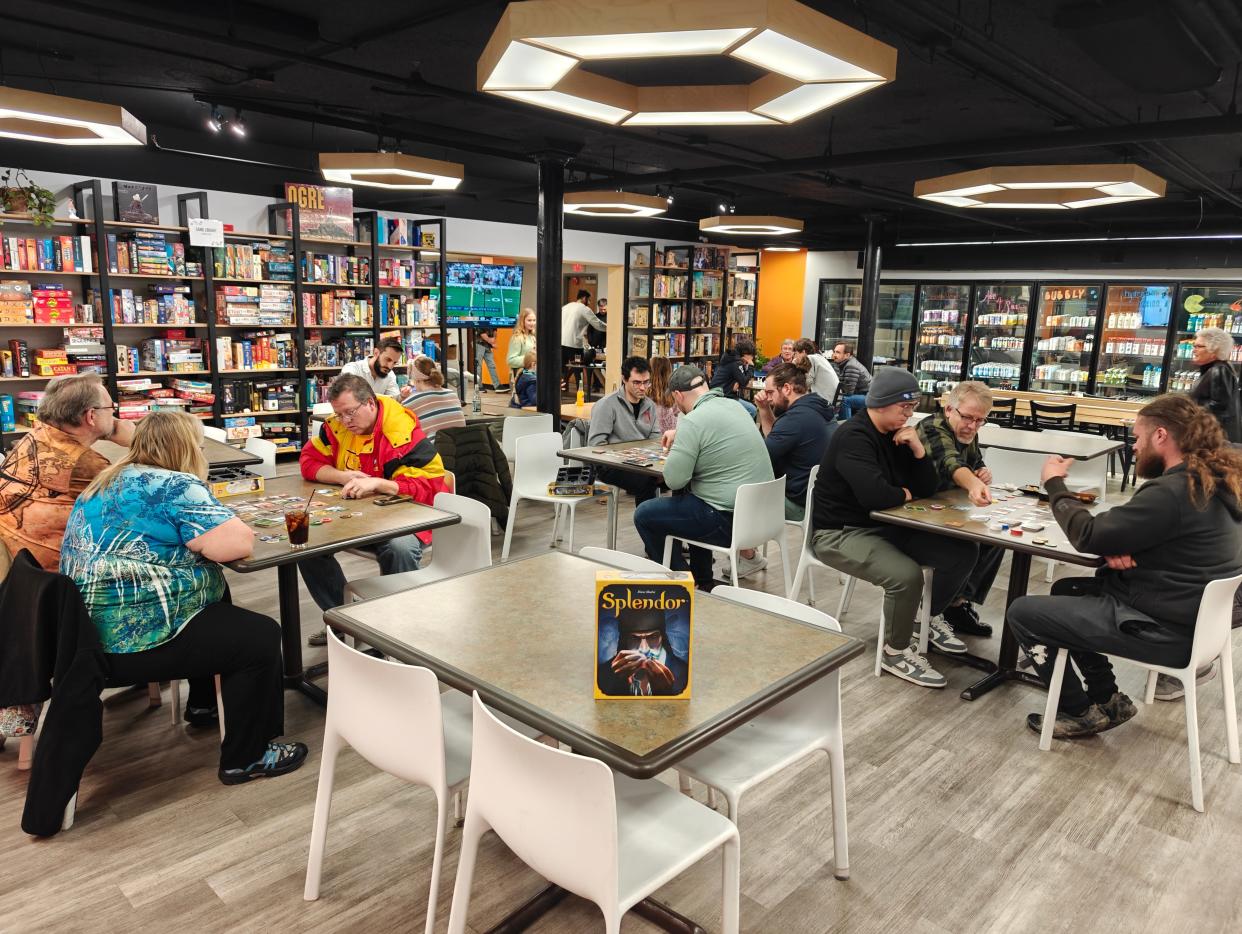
[377,369]
[855,380]
[484,347]
[1216,389]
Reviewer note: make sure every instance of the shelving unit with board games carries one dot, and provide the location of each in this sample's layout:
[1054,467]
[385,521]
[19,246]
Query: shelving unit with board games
[705,330]
[741,297]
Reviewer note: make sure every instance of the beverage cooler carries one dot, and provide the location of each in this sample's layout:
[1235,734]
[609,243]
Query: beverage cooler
[1203,306]
[1064,351]
[1133,340]
[944,311]
[999,327]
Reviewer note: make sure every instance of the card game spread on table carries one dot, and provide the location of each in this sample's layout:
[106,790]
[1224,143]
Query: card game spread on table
[266,514]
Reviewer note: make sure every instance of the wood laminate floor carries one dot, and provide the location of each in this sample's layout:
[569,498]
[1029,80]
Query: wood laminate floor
[957,822]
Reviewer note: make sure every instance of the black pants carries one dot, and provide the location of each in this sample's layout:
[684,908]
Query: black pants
[1079,618]
[983,574]
[240,646]
[640,485]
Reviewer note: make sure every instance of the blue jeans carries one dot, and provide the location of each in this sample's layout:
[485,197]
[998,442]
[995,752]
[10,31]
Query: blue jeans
[749,407]
[487,359]
[687,516]
[852,404]
[325,581]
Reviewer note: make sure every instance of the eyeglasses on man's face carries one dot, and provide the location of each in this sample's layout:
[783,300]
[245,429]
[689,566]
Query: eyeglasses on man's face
[349,414]
[979,420]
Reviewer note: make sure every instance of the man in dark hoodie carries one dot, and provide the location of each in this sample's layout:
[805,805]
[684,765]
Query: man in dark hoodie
[734,371]
[1177,533]
[796,425]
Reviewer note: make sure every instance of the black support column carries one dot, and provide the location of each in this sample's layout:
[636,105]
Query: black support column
[548,299]
[865,350]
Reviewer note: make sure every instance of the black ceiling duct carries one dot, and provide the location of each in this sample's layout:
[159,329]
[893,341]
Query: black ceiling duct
[1141,42]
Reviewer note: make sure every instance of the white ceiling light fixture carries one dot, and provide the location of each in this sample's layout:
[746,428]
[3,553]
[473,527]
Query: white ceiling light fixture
[66,121]
[393,170]
[614,204]
[768,225]
[1043,187]
[813,61]
[782,249]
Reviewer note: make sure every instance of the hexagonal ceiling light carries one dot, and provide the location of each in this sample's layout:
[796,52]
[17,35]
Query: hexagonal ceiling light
[1042,187]
[812,60]
[614,204]
[67,121]
[392,170]
[768,225]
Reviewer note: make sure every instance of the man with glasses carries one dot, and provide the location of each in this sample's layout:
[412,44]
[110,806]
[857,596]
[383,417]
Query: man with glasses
[371,446]
[627,415]
[45,471]
[952,443]
[877,461]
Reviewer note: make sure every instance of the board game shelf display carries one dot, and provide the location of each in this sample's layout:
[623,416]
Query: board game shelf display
[239,335]
[742,297]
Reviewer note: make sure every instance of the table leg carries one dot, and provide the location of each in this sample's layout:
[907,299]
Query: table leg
[612,518]
[291,635]
[659,914]
[1006,670]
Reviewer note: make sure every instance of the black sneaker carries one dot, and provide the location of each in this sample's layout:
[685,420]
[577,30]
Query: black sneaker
[202,716]
[1092,720]
[965,621]
[1119,709]
[279,759]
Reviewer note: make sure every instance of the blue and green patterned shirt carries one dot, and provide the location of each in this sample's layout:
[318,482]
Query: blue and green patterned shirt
[125,549]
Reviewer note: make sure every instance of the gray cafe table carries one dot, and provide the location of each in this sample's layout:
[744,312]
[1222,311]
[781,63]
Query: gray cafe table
[743,661]
[376,524]
[650,463]
[949,519]
[218,453]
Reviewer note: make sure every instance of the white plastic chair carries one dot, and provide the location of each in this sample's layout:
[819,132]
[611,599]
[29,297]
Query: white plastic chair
[215,434]
[459,549]
[606,838]
[261,447]
[174,694]
[320,413]
[758,518]
[1211,641]
[622,559]
[806,723]
[534,469]
[519,426]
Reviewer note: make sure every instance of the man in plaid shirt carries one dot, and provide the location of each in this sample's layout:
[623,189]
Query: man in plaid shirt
[951,440]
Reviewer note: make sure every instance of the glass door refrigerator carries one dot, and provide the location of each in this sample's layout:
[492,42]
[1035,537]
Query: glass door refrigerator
[998,333]
[840,303]
[940,349]
[1203,306]
[1061,360]
[894,324]
[1133,341]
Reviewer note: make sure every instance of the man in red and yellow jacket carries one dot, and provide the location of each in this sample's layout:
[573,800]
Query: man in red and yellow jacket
[372,445]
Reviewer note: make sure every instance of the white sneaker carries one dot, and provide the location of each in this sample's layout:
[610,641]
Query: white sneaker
[941,638]
[910,666]
[748,566]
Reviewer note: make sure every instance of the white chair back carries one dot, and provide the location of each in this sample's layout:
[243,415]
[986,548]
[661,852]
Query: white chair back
[215,434]
[535,463]
[759,513]
[1023,467]
[781,606]
[557,811]
[388,712]
[261,447]
[622,559]
[518,426]
[811,478]
[466,546]
[1212,625]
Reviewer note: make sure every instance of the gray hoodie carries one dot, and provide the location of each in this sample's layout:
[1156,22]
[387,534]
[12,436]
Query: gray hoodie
[612,419]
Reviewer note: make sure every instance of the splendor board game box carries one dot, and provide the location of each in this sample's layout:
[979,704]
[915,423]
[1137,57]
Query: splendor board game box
[643,634]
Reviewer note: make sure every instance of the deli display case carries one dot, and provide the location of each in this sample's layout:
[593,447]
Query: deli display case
[1216,305]
[940,348]
[1063,357]
[1133,340]
[1000,322]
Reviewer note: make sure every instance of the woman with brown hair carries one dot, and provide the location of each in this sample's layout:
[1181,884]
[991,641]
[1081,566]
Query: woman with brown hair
[661,395]
[435,406]
[142,545]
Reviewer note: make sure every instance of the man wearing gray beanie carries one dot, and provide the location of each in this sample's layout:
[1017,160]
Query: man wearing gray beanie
[877,461]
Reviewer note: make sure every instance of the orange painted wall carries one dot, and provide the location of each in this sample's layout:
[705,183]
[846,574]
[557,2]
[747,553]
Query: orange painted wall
[781,277]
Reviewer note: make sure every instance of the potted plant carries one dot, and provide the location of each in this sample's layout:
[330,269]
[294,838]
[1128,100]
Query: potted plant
[20,195]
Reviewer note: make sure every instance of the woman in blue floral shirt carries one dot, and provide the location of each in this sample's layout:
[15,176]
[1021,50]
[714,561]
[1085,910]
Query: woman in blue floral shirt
[142,544]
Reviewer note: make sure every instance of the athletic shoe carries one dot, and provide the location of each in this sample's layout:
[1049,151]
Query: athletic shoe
[1093,720]
[940,637]
[279,759]
[318,639]
[202,716]
[748,566]
[910,666]
[1119,709]
[965,621]
[1170,688]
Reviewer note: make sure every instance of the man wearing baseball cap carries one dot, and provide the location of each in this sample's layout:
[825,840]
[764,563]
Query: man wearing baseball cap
[713,450]
[877,461]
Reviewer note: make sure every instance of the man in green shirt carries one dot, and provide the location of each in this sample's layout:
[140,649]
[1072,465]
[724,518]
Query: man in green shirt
[951,440]
[713,450]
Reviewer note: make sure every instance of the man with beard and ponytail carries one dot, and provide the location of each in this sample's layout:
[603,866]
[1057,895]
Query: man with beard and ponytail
[1178,532]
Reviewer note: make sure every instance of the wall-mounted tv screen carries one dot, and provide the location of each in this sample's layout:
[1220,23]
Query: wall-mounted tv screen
[481,295]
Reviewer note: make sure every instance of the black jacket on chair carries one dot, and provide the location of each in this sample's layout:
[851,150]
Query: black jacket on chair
[479,466]
[46,633]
